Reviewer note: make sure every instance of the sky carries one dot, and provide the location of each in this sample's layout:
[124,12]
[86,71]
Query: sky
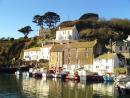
[15,14]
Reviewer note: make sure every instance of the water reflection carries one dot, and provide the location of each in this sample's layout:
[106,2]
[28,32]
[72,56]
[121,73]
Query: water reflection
[25,87]
[32,87]
[106,88]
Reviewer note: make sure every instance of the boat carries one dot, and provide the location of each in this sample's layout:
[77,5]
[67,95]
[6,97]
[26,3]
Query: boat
[123,85]
[109,77]
[120,77]
[37,73]
[64,74]
[86,75]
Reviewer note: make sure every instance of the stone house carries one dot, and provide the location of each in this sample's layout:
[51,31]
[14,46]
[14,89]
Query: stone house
[72,56]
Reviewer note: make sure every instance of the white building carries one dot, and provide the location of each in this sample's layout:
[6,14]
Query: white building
[32,54]
[68,33]
[37,53]
[45,52]
[105,63]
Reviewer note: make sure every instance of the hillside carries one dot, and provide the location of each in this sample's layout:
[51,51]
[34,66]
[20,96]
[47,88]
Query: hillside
[14,49]
[90,26]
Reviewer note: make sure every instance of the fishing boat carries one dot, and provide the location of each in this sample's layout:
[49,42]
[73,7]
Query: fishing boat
[123,85]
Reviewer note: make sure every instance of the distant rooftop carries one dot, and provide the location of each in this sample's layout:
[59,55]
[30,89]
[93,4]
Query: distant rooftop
[66,28]
[61,47]
[33,49]
[106,56]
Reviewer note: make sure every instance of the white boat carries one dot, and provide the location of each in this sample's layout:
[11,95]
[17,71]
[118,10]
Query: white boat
[120,77]
[17,72]
[123,85]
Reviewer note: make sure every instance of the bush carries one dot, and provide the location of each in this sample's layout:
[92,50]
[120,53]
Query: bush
[121,70]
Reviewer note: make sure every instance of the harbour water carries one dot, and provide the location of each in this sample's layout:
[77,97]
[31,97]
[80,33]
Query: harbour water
[12,86]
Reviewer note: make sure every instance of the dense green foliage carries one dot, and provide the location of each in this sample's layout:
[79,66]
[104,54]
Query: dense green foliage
[38,19]
[91,16]
[14,49]
[50,19]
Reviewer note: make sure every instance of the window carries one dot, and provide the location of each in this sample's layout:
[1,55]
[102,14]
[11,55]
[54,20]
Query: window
[97,66]
[26,56]
[68,33]
[69,36]
[107,67]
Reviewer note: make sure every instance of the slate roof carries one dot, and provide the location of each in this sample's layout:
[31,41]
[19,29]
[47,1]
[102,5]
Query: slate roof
[59,47]
[33,49]
[66,28]
[106,56]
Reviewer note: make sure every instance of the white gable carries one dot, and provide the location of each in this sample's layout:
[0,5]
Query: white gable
[105,65]
[69,33]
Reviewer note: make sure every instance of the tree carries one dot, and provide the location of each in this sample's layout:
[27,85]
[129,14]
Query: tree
[25,30]
[50,19]
[38,20]
[89,16]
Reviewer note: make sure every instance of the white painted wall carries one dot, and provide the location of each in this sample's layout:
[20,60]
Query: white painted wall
[89,67]
[102,66]
[43,53]
[32,55]
[71,34]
